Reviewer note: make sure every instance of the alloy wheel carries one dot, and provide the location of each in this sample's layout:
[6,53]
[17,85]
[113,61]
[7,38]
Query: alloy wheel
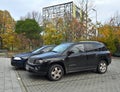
[55,72]
[102,67]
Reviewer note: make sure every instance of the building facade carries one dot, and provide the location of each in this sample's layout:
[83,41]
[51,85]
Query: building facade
[60,11]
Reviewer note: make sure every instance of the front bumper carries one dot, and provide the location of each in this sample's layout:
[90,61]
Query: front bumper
[38,69]
[18,63]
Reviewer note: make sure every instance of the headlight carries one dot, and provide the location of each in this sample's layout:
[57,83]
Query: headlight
[38,61]
[17,58]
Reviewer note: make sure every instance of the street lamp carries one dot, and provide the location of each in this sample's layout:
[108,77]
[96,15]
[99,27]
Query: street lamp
[96,14]
[96,22]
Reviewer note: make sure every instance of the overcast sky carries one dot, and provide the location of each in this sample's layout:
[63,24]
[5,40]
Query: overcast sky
[17,8]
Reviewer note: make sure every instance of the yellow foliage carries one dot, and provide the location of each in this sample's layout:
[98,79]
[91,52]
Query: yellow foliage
[109,35]
[10,40]
[52,35]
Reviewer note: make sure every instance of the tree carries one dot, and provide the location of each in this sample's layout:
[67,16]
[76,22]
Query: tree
[77,29]
[7,23]
[29,28]
[7,34]
[109,33]
[108,36]
[10,40]
[115,20]
[33,15]
[52,35]
[86,8]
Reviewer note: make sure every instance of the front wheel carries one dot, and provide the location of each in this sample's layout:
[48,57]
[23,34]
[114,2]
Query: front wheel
[55,72]
[102,67]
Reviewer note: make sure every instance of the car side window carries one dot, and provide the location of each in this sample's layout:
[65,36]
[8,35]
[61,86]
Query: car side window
[77,48]
[92,47]
[89,47]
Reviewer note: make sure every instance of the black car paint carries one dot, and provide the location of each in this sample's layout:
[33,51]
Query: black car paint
[86,60]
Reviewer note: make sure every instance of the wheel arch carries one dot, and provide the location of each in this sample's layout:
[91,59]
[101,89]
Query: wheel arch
[59,63]
[103,58]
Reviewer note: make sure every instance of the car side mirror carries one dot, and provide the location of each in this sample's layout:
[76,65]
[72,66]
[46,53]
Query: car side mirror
[69,53]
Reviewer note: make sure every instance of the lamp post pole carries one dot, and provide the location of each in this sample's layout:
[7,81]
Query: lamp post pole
[96,33]
[87,20]
[96,15]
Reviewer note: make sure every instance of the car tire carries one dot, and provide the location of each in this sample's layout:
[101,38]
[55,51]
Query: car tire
[55,72]
[102,67]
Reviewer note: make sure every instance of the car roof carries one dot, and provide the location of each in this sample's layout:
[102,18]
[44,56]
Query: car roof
[93,42]
[89,42]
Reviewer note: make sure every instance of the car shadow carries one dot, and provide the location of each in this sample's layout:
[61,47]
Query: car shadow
[67,77]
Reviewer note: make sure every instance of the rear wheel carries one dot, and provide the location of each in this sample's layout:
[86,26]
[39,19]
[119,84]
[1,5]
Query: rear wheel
[102,67]
[55,72]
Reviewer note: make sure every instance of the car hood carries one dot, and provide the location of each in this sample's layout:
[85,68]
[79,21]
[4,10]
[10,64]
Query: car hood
[28,54]
[46,55]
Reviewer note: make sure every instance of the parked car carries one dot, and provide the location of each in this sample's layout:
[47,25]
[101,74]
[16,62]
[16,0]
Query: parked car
[19,60]
[71,57]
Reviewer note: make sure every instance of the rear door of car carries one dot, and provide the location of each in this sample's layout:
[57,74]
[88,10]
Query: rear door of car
[91,53]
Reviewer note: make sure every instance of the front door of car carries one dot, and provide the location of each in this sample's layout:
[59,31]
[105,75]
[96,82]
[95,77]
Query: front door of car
[77,59]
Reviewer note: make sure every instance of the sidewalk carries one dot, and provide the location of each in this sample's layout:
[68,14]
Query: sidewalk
[8,77]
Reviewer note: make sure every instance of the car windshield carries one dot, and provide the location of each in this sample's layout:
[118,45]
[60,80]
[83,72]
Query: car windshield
[38,50]
[62,47]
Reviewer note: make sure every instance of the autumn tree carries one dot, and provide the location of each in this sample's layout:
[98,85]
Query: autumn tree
[63,30]
[115,24]
[7,35]
[7,23]
[108,36]
[77,30]
[51,35]
[10,40]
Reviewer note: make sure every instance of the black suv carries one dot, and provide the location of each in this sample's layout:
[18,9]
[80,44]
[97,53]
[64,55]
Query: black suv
[71,57]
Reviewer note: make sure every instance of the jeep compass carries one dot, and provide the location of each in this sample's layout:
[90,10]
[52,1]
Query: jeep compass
[71,57]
